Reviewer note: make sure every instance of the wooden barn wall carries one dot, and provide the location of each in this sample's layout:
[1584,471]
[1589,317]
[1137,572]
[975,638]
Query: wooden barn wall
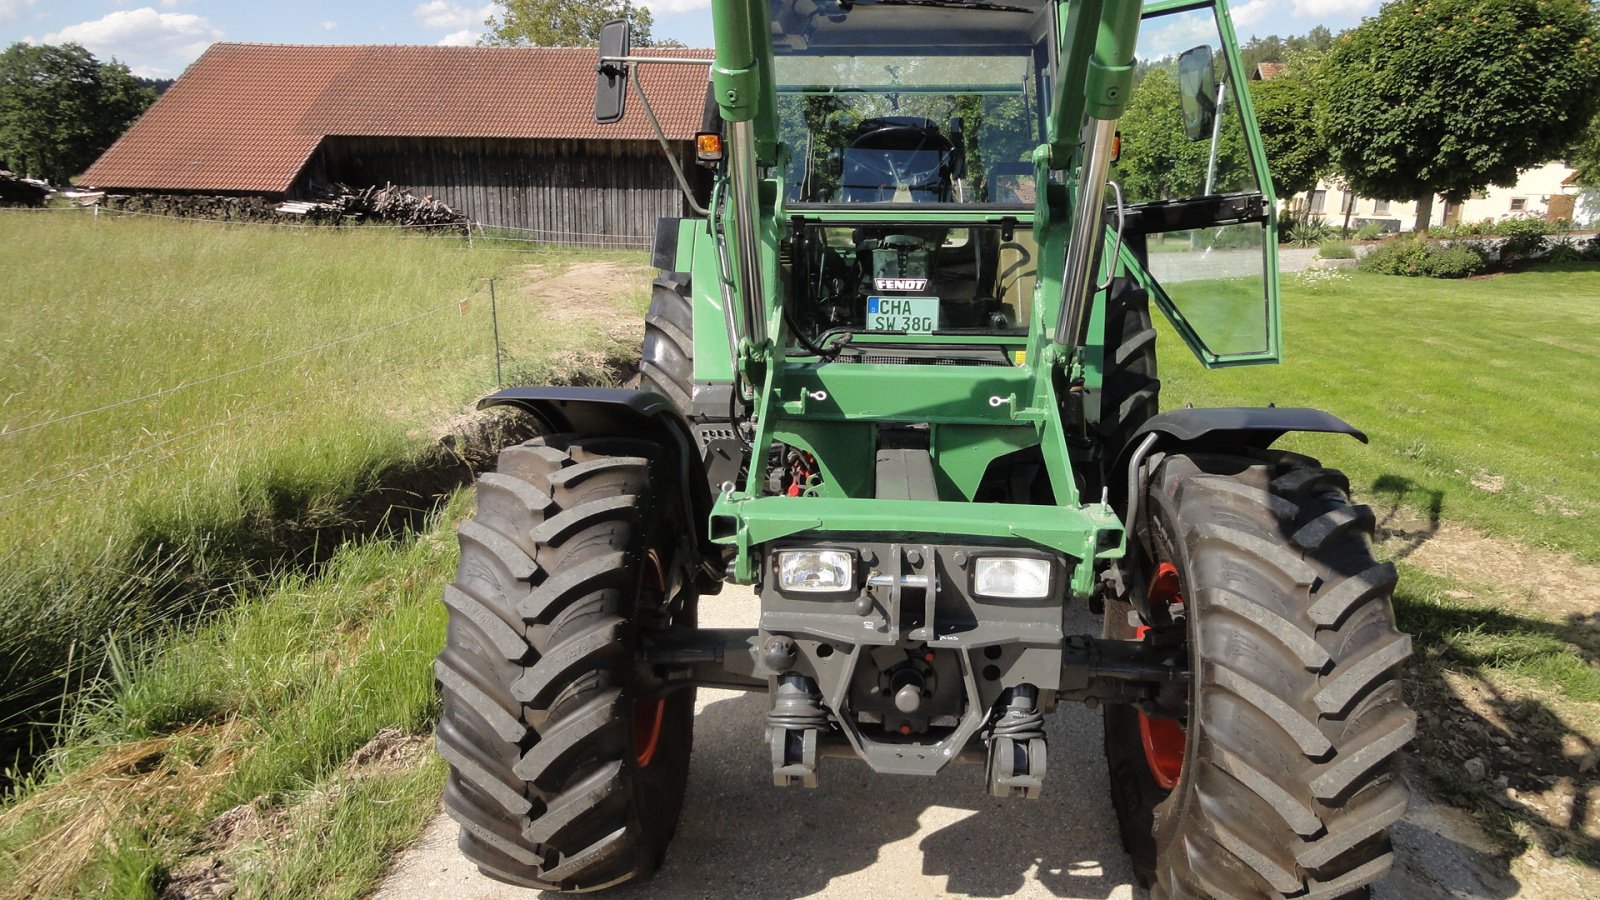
[598,193]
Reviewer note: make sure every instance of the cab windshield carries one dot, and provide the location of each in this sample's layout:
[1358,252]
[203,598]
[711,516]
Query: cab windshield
[909,129]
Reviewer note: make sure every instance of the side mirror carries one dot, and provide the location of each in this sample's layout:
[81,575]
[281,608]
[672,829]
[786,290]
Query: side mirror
[610,76]
[1197,88]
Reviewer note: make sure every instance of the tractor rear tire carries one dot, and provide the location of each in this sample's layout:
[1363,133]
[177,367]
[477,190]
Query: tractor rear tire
[666,360]
[1130,388]
[560,777]
[1289,774]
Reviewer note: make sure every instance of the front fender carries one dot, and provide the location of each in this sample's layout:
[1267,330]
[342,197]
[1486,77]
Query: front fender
[1239,426]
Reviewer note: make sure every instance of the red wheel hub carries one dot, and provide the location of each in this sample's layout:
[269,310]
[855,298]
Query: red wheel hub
[1164,740]
[649,712]
[647,718]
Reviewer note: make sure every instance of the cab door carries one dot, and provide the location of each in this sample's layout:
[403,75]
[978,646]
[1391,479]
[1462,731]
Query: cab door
[1200,230]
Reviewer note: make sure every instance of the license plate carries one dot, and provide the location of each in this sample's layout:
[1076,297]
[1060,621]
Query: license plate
[917,315]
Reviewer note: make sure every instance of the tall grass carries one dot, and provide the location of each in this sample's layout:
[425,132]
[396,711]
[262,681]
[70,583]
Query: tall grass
[261,711]
[185,408]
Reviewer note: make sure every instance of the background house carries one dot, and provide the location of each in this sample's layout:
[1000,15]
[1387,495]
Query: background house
[505,135]
[1547,191]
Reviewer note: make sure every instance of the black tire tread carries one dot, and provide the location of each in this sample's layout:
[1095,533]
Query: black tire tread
[1292,777]
[537,720]
[1130,390]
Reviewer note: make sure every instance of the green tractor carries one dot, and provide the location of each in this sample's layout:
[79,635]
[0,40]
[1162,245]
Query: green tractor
[900,376]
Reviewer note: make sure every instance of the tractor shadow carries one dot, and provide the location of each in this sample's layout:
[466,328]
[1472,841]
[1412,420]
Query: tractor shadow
[1511,764]
[859,832]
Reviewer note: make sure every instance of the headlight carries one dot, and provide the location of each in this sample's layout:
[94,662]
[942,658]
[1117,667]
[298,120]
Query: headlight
[816,571]
[1011,578]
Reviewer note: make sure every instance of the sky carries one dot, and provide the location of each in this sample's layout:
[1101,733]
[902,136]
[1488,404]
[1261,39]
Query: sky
[158,38]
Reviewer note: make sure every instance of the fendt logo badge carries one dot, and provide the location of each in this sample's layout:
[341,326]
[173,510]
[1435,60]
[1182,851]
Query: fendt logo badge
[901,284]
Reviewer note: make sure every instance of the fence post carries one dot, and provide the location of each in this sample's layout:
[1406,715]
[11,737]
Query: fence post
[494,317]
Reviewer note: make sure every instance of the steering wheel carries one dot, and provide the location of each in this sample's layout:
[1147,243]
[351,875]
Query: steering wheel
[878,162]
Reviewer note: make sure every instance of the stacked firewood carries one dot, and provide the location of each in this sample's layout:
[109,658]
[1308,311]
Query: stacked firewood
[390,205]
[342,205]
[16,191]
[198,206]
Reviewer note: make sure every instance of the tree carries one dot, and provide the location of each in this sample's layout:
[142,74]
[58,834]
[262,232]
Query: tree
[1297,154]
[60,108]
[1158,160]
[1449,96]
[563,23]
[1585,155]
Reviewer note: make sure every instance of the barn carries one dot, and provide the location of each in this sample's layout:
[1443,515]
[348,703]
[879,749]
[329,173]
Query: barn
[506,135]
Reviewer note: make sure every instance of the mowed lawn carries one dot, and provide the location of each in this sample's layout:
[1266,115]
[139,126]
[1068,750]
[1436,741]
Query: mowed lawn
[1481,397]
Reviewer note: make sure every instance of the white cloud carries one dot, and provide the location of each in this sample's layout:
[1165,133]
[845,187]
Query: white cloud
[328,25]
[675,6]
[442,15]
[151,72]
[13,10]
[1310,9]
[141,34]
[1248,14]
[466,37]
[1177,34]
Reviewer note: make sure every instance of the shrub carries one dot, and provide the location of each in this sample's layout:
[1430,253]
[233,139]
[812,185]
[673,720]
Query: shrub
[1336,250]
[1565,250]
[1414,258]
[1525,236]
[1403,257]
[1309,232]
[1454,261]
[1369,232]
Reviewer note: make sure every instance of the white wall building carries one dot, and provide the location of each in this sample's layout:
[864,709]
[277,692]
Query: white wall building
[1545,191]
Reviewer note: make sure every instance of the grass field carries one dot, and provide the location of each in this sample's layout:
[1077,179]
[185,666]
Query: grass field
[193,414]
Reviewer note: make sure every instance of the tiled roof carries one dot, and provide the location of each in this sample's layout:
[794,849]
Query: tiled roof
[1268,71]
[246,117]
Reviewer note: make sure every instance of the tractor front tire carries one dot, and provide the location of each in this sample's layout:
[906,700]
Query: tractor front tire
[1284,777]
[560,777]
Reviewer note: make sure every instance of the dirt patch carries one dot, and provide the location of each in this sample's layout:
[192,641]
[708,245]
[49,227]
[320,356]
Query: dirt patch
[202,878]
[390,750]
[1548,584]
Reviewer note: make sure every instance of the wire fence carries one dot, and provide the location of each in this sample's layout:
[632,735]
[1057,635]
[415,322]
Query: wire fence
[474,233]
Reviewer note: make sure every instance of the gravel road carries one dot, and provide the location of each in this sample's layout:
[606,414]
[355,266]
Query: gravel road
[860,835]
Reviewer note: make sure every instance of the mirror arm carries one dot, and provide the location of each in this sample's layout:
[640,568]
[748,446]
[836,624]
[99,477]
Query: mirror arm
[666,148]
[1216,137]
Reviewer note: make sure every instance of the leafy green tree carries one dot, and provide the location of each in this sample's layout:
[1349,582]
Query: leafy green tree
[60,108]
[1449,96]
[1158,160]
[1585,155]
[563,23]
[1285,108]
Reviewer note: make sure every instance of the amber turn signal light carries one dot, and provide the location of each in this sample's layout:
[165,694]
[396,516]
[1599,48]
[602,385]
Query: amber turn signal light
[708,146]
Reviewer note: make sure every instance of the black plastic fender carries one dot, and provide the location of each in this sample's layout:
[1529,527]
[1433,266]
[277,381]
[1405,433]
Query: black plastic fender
[1216,428]
[1226,426]
[629,413]
[1239,426]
